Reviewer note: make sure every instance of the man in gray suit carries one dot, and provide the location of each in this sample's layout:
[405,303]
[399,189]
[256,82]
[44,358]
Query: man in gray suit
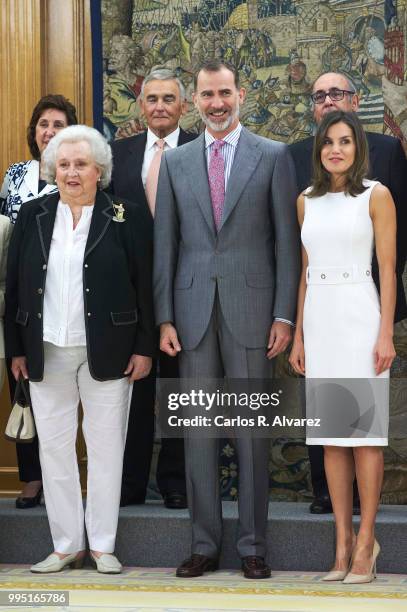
[226,272]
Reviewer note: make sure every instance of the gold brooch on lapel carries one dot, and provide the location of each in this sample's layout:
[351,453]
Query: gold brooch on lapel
[118,210]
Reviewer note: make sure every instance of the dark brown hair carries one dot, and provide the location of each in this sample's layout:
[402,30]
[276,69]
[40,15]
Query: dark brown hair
[321,178]
[215,65]
[46,102]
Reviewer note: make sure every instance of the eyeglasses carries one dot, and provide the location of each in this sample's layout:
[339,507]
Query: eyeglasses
[334,93]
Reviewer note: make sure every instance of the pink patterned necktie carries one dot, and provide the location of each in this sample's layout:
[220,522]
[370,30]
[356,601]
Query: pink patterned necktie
[216,173]
[152,175]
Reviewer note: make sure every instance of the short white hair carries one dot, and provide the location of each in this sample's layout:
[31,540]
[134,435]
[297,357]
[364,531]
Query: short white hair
[100,151]
[163,74]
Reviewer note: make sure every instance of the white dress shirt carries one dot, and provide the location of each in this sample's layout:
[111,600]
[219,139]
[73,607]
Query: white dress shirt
[64,319]
[171,142]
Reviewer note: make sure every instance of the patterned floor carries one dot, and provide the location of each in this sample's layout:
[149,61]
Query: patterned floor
[157,590]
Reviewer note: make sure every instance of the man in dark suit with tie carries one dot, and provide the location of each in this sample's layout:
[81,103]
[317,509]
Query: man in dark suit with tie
[136,162]
[334,91]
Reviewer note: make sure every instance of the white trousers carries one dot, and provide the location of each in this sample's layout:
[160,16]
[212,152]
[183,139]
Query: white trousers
[105,413]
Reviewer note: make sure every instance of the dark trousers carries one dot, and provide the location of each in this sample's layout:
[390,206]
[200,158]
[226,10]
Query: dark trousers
[318,478]
[140,438]
[28,457]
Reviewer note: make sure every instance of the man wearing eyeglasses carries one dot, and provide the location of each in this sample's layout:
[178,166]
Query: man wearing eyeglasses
[334,91]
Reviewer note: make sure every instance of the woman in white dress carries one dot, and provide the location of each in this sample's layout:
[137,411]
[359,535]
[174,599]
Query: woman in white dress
[344,331]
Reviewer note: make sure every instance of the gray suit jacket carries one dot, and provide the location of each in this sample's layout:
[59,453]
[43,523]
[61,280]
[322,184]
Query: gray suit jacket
[254,259]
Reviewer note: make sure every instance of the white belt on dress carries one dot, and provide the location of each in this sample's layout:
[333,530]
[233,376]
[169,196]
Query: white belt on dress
[335,275]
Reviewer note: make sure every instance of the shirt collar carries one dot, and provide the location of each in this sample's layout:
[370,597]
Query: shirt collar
[232,138]
[171,140]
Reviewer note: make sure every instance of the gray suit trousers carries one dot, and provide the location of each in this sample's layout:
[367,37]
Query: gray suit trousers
[219,355]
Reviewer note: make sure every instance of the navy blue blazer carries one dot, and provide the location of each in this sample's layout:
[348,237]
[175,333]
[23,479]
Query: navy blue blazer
[128,156]
[117,286]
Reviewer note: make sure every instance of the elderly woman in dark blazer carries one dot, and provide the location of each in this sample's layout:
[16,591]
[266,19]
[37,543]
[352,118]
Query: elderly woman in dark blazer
[79,325]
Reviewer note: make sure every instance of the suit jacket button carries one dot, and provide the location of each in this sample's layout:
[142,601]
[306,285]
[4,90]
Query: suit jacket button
[39,291]
[39,315]
[89,314]
[87,289]
[44,267]
[86,266]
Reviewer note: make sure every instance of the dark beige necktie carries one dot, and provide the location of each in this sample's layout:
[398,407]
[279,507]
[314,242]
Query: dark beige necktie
[152,175]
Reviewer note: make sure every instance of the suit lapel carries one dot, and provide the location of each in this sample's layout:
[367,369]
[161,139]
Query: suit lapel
[46,221]
[135,164]
[136,149]
[101,219]
[183,137]
[247,156]
[198,178]
[372,156]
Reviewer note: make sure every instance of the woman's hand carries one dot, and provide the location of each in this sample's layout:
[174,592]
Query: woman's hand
[19,366]
[383,353]
[139,366]
[297,356]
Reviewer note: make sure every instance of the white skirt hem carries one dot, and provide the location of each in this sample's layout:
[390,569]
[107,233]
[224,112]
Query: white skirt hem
[346,442]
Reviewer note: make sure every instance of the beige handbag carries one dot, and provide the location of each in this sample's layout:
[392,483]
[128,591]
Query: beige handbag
[20,426]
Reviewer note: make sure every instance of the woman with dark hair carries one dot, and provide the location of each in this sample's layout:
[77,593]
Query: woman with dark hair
[23,182]
[344,331]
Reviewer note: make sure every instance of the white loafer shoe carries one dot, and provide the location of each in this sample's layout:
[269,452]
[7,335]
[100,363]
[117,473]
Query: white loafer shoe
[107,563]
[53,563]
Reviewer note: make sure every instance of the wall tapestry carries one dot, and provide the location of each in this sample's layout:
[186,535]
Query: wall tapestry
[280,47]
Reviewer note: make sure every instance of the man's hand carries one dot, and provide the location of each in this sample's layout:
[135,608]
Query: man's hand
[19,366]
[139,366]
[279,339]
[169,339]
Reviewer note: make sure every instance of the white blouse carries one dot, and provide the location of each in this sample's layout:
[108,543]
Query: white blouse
[64,319]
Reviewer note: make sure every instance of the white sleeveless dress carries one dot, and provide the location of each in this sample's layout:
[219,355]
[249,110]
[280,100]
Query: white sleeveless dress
[341,323]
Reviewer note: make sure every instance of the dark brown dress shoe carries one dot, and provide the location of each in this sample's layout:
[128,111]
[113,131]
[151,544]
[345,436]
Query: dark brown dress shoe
[321,505]
[255,567]
[175,500]
[196,565]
